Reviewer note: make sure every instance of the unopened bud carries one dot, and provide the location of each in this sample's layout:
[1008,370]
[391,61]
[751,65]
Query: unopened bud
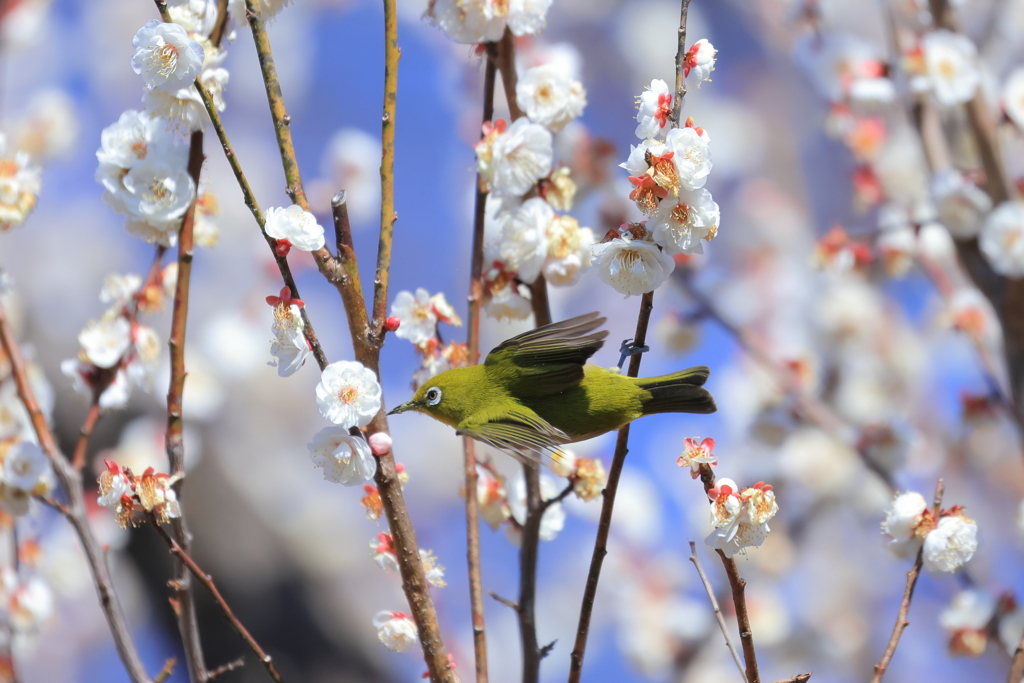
[380,444]
[392,323]
[282,247]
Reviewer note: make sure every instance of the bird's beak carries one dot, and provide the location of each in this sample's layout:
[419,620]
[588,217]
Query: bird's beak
[411,405]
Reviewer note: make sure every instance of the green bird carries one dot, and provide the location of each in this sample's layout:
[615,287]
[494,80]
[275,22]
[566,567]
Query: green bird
[536,391]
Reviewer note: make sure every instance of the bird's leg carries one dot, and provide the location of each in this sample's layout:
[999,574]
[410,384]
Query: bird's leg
[627,349]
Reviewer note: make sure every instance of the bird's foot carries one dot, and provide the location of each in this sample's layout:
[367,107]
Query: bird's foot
[627,349]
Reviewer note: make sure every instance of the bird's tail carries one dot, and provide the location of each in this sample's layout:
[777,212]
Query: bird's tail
[680,392]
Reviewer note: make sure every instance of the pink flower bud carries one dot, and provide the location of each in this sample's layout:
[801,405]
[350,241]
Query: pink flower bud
[282,248]
[392,323]
[380,444]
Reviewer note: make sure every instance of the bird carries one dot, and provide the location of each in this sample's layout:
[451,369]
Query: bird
[536,392]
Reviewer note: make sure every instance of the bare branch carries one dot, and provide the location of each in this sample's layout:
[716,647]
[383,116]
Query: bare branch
[718,612]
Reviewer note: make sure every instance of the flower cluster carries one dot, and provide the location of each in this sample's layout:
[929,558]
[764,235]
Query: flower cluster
[122,490]
[947,542]
[383,549]
[696,454]
[118,353]
[740,517]
[479,21]
[19,187]
[507,505]
[416,317]
[586,475]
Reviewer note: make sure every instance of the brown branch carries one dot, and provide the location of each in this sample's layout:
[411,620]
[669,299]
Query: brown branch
[207,581]
[504,601]
[476,596]
[677,105]
[739,600]
[188,621]
[718,612]
[908,594]
[607,506]
[799,678]
[505,61]
[225,668]
[71,481]
[165,672]
[1017,665]
[250,201]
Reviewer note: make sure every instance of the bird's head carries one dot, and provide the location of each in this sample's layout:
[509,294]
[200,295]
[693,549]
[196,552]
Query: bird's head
[438,397]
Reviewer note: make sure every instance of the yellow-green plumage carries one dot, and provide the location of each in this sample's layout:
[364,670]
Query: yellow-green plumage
[536,391]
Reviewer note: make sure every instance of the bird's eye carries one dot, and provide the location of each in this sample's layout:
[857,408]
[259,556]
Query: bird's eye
[433,396]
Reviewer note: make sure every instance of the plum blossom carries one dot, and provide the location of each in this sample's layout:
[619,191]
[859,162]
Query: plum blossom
[345,459]
[419,313]
[961,204]
[289,347]
[569,251]
[348,394]
[691,156]
[490,492]
[26,468]
[479,21]
[183,109]
[165,56]
[1002,239]
[1013,96]
[905,522]
[31,604]
[951,544]
[113,485]
[524,238]
[19,187]
[967,619]
[631,263]
[396,630]
[106,341]
[740,518]
[698,63]
[680,223]
[433,571]
[654,106]
[510,302]
[84,377]
[550,96]
[950,61]
[554,517]
[512,159]
[383,548]
[296,226]
[589,479]
[267,9]
[153,489]
[697,454]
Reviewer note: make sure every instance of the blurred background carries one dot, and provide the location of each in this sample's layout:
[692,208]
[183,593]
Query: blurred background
[291,552]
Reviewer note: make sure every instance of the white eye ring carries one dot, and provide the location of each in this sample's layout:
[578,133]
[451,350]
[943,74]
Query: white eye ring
[433,396]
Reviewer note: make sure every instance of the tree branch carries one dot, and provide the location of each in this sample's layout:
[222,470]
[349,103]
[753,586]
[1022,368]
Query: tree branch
[71,481]
[207,581]
[718,612]
[476,590]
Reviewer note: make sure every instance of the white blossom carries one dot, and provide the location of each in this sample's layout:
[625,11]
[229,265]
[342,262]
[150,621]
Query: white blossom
[119,289]
[554,517]
[517,158]
[433,571]
[19,187]
[81,372]
[961,204]
[348,394]
[902,521]
[951,64]
[198,17]
[654,106]
[1013,96]
[632,266]
[383,549]
[569,251]
[106,341]
[26,468]
[31,605]
[165,56]
[524,238]
[183,109]
[297,226]
[740,518]
[680,223]
[113,484]
[289,347]
[395,630]
[527,17]
[549,96]
[699,63]
[970,609]
[509,303]
[691,156]
[267,9]
[951,544]
[479,21]
[1002,239]
[345,459]
[636,164]
[417,316]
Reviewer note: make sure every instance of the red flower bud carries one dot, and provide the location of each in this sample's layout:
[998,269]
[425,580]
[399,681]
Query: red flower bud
[392,323]
[282,248]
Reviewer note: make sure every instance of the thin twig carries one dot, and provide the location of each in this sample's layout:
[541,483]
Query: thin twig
[677,105]
[908,594]
[250,201]
[225,668]
[799,678]
[739,600]
[165,672]
[505,60]
[188,621]
[718,612]
[207,581]
[607,506]
[1016,674]
[70,480]
[476,594]
[504,601]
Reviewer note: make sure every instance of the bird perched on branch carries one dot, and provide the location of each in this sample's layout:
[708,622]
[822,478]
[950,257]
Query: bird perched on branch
[536,391]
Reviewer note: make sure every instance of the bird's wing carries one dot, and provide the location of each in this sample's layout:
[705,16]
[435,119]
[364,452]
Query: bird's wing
[521,432]
[556,351]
